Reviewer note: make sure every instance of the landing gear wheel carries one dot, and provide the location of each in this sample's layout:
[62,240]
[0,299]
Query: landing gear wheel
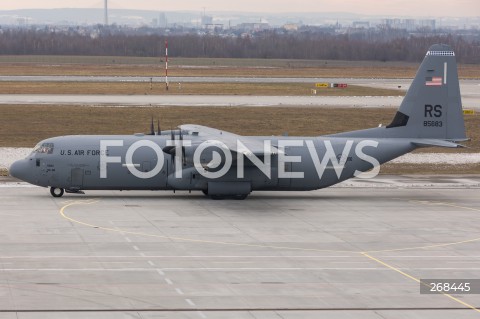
[241,197]
[205,192]
[56,192]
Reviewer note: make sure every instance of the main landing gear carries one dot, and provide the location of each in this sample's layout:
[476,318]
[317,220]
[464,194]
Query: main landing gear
[220,197]
[57,192]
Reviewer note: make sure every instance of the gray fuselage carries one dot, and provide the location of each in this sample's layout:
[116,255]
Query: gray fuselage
[73,163]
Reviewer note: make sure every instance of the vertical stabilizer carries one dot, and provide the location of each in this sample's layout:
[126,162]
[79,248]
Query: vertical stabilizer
[432,107]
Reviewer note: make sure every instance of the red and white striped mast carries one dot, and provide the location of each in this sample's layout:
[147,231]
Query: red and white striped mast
[166,64]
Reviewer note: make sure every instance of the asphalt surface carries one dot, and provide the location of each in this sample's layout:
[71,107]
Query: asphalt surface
[193,79]
[354,251]
[214,100]
[200,100]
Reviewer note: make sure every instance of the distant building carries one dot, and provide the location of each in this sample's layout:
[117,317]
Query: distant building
[206,20]
[427,24]
[22,21]
[361,24]
[162,20]
[409,24]
[393,23]
[256,26]
[291,27]
[216,27]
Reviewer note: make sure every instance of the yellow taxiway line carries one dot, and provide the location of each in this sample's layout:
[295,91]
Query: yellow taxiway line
[363,253]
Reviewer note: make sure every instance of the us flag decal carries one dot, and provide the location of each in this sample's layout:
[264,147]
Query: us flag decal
[433,81]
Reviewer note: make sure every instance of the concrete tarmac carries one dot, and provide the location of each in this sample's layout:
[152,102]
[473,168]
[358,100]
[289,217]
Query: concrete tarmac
[215,100]
[352,251]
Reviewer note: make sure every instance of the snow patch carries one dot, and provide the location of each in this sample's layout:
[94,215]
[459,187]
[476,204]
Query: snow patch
[8,155]
[438,158]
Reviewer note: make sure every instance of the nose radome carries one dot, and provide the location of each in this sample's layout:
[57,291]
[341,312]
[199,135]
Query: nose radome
[19,169]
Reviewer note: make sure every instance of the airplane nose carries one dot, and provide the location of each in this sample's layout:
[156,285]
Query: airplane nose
[19,169]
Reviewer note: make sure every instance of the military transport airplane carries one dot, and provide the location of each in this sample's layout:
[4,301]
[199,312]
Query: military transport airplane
[226,165]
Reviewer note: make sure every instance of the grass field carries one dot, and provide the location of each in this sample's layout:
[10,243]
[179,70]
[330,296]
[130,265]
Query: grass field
[136,66]
[135,88]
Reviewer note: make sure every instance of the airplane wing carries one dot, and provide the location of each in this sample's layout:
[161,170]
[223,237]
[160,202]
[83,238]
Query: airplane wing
[248,146]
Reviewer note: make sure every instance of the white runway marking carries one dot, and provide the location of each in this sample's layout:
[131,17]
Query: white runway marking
[190,302]
[179,291]
[223,257]
[226,269]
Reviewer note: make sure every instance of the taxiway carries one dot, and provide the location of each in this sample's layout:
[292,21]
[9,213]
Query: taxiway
[356,250]
[214,100]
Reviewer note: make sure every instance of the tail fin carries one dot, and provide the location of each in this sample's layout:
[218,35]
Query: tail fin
[432,107]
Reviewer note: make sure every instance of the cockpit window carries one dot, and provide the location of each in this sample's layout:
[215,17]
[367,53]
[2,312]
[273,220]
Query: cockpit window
[44,148]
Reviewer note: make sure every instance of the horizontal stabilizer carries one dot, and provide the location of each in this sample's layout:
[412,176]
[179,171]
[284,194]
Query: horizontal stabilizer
[431,142]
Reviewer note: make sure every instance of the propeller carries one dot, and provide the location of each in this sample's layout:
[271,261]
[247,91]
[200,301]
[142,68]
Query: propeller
[152,129]
[171,149]
[184,159]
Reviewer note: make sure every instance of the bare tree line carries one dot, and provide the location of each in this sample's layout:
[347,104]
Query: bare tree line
[266,45]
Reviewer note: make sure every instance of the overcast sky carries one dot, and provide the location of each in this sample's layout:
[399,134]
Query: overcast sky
[432,8]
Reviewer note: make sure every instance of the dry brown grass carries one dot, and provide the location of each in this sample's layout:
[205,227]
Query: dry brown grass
[22,125]
[3,172]
[135,88]
[427,169]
